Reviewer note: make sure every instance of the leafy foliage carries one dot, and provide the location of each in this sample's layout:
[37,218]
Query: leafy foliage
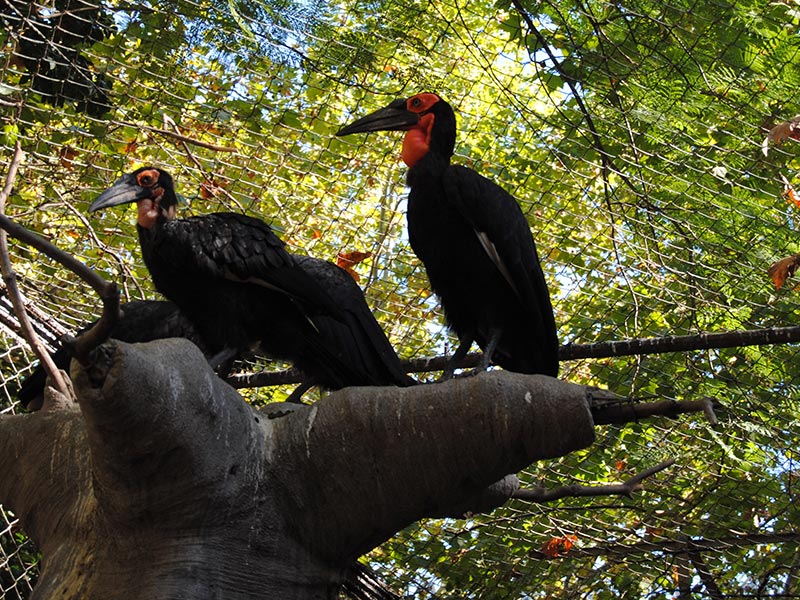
[631,134]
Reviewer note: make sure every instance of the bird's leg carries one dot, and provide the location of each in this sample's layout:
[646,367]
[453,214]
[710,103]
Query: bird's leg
[486,359]
[301,389]
[464,344]
[488,352]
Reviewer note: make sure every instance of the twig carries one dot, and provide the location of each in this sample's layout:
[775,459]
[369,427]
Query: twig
[170,122]
[107,291]
[264,378]
[125,270]
[10,279]
[177,136]
[790,586]
[634,484]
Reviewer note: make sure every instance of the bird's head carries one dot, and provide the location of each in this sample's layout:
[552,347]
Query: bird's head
[429,121]
[152,190]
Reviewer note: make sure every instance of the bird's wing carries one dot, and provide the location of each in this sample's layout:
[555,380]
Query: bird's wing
[360,337]
[240,248]
[503,231]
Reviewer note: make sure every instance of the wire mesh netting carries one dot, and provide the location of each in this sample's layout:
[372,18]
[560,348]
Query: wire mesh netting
[635,137]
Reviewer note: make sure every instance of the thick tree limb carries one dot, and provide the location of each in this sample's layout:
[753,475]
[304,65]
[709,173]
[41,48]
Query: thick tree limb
[634,484]
[167,466]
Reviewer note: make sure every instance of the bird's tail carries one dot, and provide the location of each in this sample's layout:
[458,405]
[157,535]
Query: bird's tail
[362,583]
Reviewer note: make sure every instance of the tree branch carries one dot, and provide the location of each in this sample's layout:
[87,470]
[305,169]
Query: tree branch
[176,136]
[609,409]
[634,484]
[705,576]
[790,586]
[684,546]
[567,352]
[10,279]
[107,291]
[682,343]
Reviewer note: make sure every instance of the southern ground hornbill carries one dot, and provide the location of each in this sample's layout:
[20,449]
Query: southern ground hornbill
[233,278]
[474,241]
[139,321]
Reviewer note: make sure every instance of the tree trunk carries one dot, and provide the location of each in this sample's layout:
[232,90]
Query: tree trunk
[165,484]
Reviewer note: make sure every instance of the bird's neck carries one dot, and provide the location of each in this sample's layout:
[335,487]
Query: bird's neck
[430,166]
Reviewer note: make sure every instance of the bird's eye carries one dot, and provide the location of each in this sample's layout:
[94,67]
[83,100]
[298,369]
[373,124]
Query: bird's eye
[416,102]
[146,179]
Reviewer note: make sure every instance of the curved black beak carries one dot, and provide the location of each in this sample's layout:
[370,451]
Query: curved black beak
[124,190]
[395,117]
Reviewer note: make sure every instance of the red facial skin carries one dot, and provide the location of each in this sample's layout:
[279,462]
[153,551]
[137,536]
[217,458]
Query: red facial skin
[149,208]
[417,141]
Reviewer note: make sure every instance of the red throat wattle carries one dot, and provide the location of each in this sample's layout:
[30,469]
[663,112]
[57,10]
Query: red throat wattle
[149,209]
[417,141]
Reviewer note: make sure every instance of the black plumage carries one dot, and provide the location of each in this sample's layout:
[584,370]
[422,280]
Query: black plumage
[357,333]
[233,278]
[139,321]
[474,241]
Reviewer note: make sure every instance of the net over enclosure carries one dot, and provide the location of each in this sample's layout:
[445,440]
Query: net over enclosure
[650,145]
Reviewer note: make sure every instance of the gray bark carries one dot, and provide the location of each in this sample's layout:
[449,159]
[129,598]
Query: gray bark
[165,484]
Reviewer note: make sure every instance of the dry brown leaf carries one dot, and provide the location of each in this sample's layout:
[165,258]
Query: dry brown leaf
[346,260]
[559,546]
[787,130]
[780,271]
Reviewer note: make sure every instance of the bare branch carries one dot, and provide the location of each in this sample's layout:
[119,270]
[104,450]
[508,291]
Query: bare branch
[567,352]
[790,586]
[634,484]
[170,122]
[177,136]
[107,291]
[685,546]
[682,343]
[624,410]
[10,279]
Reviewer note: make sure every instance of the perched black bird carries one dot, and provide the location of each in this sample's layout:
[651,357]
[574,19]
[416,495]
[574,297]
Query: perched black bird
[233,278]
[140,321]
[474,241]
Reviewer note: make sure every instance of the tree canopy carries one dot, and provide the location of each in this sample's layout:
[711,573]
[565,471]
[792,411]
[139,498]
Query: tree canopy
[650,145]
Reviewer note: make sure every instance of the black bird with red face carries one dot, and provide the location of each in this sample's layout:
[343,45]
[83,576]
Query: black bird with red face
[474,241]
[233,278]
